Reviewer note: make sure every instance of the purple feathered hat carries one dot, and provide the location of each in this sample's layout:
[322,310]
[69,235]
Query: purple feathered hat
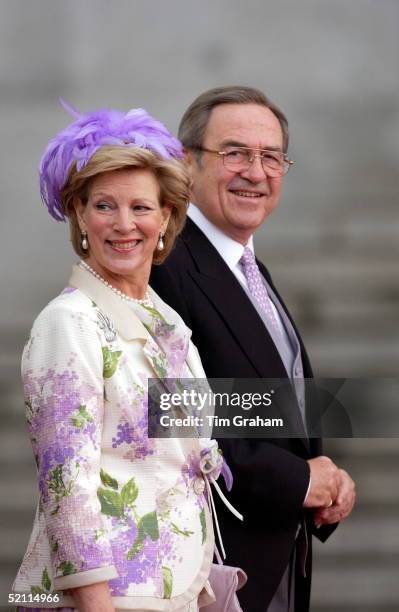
[81,139]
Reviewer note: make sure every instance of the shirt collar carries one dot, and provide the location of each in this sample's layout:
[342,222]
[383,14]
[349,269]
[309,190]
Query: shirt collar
[230,250]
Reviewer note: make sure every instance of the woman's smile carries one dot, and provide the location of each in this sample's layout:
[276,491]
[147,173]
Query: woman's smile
[124,246]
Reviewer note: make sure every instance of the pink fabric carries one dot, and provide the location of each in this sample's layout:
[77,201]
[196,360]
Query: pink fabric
[256,285]
[225,581]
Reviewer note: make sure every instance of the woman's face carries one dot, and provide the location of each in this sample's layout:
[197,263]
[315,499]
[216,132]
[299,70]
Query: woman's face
[123,219]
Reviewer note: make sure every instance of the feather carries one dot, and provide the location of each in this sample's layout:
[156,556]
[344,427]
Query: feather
[69,108]
[79,141]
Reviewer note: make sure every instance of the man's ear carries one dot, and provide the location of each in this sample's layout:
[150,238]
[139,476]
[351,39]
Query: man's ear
[192,164]
[190,159]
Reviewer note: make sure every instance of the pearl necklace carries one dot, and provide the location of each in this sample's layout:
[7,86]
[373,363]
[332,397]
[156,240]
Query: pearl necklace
[146,301]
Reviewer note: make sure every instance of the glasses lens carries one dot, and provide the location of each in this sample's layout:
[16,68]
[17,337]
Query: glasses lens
[273,163]
[236,159]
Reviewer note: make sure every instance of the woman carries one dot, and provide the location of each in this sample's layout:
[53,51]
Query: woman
[122,521]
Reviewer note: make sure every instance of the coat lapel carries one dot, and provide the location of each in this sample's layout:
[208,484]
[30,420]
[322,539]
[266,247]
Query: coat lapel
[221,287]
[129,325]
[123,318]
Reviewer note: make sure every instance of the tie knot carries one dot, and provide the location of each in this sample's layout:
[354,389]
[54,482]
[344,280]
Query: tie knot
[247,258]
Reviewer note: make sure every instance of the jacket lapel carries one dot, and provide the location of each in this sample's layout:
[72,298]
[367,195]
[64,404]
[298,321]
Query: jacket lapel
[128,325]
[221,287]
[123,318]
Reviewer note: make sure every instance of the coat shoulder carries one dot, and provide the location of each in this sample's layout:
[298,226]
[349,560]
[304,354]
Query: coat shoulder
[71,314]
[69,300]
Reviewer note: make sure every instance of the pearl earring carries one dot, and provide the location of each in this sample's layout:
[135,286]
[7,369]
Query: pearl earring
[160,245]
[84,243]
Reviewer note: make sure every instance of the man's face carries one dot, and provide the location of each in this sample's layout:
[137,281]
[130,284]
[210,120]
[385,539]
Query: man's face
[237,202]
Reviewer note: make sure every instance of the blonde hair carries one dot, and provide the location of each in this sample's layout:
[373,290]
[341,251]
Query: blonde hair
[172,176]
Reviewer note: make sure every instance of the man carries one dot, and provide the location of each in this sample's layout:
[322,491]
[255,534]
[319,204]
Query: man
[236,144]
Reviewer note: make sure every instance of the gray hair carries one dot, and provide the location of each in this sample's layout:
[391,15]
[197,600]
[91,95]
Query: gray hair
[194,121]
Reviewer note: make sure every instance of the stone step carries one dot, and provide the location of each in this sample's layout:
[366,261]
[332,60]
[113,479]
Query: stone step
[370,448]
[359,537]
[369,585]
[13,411]
[351,355]
[361,277]
[329,242]
[15,447]
[345,316]
[341,309]
[19,491]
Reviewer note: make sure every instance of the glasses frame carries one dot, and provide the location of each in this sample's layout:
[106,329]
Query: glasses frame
[255,153]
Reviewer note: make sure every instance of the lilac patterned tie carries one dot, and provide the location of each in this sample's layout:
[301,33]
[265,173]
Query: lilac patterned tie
[256,286]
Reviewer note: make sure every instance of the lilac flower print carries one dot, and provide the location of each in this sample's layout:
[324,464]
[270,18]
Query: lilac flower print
[179,346]
[138,570]
[60,461]
[191,468]
[159,326]
[132,429]
[166,544]
[58,395]
[79,543]
[93,554]
[177,356]
[162,328]
[30,384]
[124,434]
[54,471]
[91,431]
[82,553]
[68,290]
[136,437]
[59,420]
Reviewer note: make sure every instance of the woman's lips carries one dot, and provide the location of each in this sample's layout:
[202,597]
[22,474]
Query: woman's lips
[123,246]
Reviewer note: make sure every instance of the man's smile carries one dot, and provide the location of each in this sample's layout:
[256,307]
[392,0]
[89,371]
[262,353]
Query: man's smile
[246,194]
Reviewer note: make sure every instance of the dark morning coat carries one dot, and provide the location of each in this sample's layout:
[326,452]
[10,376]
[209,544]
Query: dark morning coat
[270,476]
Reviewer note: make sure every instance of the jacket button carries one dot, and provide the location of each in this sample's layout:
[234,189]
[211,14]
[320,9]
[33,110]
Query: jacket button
[199,486]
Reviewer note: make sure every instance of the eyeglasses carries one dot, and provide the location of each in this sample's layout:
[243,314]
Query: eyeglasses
[239,159]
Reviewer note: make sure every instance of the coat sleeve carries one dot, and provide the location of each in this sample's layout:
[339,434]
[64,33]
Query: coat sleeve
[268,479]
[62,370]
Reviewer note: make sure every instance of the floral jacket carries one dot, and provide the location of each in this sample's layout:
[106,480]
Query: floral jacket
[114,505]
